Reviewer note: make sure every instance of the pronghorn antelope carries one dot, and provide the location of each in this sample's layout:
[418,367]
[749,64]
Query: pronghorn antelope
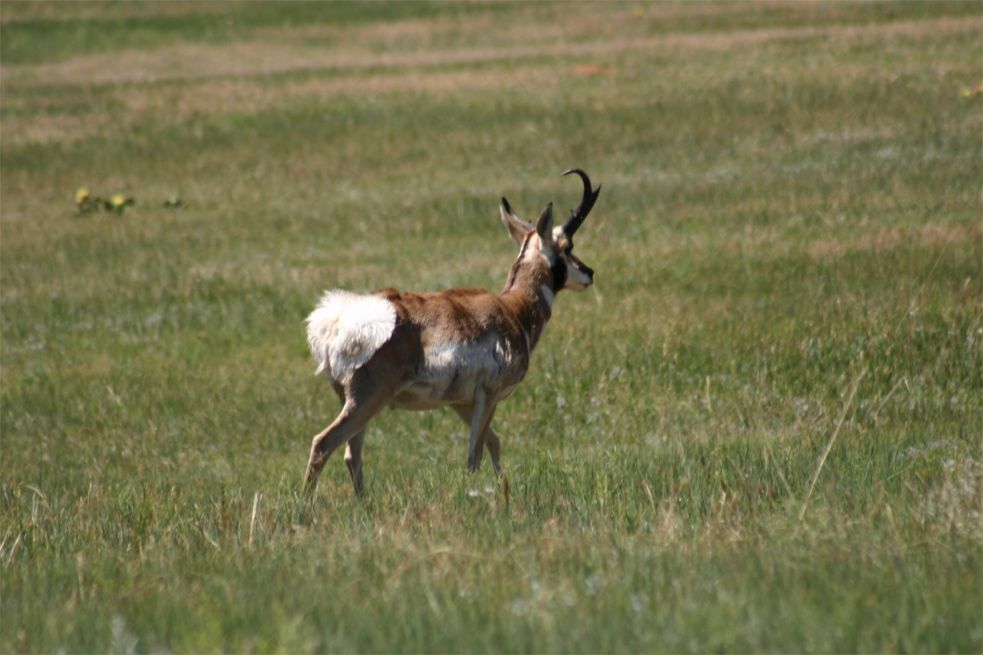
[465,348]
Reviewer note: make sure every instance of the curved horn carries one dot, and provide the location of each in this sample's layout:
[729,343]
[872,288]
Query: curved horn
[578,215]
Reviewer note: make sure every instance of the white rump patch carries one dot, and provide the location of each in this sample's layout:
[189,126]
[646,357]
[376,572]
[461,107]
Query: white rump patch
[346,329]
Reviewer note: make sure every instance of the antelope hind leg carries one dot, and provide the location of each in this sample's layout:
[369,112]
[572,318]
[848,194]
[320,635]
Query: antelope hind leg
[349,424]
[353,459]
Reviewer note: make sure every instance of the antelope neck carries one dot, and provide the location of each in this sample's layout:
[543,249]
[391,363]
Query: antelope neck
[530,296]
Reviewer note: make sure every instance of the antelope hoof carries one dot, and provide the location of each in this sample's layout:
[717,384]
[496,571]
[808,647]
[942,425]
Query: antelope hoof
[310,480]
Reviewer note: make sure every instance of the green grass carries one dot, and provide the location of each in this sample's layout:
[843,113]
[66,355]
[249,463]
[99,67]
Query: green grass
[791,204]
[108,25]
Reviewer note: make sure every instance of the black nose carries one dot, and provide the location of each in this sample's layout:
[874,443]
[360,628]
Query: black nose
[590,272]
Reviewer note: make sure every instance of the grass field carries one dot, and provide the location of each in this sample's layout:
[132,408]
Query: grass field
[788,251]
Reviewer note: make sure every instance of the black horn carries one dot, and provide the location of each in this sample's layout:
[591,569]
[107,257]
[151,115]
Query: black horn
[578,215]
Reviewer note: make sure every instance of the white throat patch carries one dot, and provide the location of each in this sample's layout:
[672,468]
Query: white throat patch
[548,294]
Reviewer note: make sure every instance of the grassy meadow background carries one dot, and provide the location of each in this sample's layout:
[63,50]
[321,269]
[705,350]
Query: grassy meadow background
[788,251]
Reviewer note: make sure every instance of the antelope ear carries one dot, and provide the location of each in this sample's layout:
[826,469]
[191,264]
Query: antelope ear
[518,228]
[544,228]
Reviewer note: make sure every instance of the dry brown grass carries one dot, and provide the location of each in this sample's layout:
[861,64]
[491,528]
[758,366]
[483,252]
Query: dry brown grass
[103,9]
[359,53]
[181,81]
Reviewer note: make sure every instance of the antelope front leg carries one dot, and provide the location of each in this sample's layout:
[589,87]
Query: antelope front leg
[467,415]
[490,438]
[478,416]
[494,449]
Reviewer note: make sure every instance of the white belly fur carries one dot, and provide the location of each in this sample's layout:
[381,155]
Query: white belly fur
[452,373]
[346,329]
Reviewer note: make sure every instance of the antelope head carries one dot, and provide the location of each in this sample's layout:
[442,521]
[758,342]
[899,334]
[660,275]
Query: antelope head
[543,244]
